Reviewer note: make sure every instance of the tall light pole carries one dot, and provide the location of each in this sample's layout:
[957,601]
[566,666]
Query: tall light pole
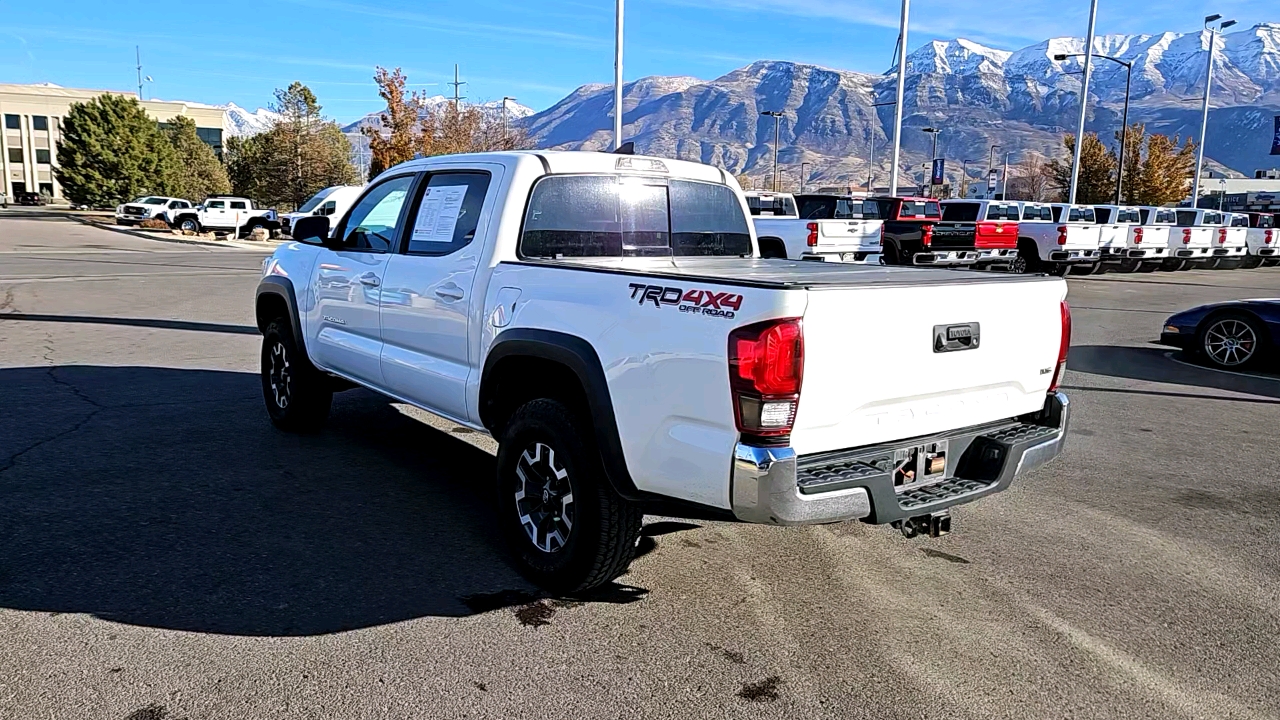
[617,77]
[933,157]
[1004,178]
[776,117]
[991,162]
[1084,100]
[1124,130]
[803,174]
[504,120]
[897,113]
[1204,113]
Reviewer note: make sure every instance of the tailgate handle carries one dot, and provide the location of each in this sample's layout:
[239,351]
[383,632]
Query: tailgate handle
[952,338]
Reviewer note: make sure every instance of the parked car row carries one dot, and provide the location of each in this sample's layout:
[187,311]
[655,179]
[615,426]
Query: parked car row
[1023,237]
[218,212]
[609,320]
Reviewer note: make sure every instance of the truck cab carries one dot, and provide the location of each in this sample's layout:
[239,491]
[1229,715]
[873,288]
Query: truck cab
[331,201]
[996,228]
[916,234]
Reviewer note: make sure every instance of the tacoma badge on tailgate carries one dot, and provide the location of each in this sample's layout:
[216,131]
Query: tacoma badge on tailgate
[950,338]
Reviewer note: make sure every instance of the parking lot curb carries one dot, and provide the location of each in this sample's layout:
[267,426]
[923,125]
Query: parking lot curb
[240,245]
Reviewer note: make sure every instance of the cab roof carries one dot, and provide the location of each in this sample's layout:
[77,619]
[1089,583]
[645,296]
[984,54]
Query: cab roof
[580,161]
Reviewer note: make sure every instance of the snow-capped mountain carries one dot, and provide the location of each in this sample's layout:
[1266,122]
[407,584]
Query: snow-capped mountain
[515,111]
[1020,100]
[242,123]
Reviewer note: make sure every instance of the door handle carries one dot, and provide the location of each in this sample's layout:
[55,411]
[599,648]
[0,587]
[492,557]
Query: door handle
[370,279]
[449,292]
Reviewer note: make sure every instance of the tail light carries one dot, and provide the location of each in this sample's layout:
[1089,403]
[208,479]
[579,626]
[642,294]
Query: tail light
[1266,238]
[1186,236]
[812,240]
[1137,236]
[926,235]
[1222,236]
[766,365]
[1064,345]
[1062,234]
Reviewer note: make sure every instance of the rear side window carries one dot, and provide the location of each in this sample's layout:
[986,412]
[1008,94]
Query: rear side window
[448,212]
[960,212]
[612,216]
[776,205]
[238,205]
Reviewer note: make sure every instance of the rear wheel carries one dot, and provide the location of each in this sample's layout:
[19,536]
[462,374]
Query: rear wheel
[1250,262]
[1129,265]
[297,395]
[1230,340]
[1148,267]
[1212,263]
[567,528]
[189,225]
[1059,269]
[1027,260]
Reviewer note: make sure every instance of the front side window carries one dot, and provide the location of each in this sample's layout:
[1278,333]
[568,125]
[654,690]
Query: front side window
[315,200]
[448,213]
[960,212]
[216,205]
[375,220]
[326,209]
[153,200]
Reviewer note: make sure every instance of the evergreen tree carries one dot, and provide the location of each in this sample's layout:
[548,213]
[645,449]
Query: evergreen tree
[1132,169]
[1096,182]
[1166,171]
[198,173]
[111,152]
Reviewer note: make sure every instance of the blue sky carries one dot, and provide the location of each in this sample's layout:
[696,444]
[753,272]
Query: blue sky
[535,51]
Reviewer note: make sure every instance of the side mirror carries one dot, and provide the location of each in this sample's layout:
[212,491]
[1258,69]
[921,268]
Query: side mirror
[313,230]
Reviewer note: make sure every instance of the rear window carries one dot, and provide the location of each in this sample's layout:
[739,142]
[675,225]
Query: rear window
[831,207]
[1127,216]
[612,216]
[1037,212]
[1266,221]
[1002,212]
[1213,218]
[775,205]
[1239,221]
[1166,217]
[920,209]
[1081,215]
[960,212]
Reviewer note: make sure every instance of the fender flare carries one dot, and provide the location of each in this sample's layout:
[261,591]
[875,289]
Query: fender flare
[282,288]
[580,357]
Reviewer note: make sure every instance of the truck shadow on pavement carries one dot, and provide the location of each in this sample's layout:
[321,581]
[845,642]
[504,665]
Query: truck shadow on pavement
[1155,365]
[162,497]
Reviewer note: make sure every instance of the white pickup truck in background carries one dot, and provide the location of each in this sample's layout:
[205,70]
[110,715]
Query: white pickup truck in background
[831,228]
[1230,242]
[152,207]
[607,319]
[1261,239]
[1191,242]
[222,212]
[1055,237]
[336,200]
[1125,244]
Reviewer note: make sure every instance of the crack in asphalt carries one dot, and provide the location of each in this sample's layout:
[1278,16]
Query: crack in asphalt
[52,373]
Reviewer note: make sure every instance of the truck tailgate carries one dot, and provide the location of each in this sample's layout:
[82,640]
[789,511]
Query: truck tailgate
[872,373]
[996,234]
[954,236]
[1082,236]
[849,234]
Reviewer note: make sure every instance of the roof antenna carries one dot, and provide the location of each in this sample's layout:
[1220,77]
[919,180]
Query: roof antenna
[626,148]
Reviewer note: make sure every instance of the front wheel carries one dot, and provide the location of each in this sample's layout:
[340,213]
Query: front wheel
[567,528]
[1231,340]
[189,225]
[297,395]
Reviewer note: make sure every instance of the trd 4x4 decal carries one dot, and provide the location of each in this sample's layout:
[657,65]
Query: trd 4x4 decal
[702,302]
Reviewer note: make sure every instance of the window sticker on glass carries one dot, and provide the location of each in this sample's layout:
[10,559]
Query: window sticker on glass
[438,214]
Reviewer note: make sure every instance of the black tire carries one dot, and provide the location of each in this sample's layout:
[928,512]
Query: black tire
[1186,265]
[189,224]
[1060,269]
[891,254]
[1148,267]
[1212,264]
[1270,262]
[552,449]
[297,395]
[1128,265]
[1214,336]
[247,230]
[1250,262]
[1027,260]
[1083,269]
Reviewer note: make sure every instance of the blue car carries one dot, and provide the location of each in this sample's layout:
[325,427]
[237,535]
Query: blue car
[1228,335]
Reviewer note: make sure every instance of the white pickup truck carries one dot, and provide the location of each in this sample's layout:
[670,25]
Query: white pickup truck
[1128,244]
[1055,237]
[1261,239]
[336,200]
[1230,242]
[607,319]
[1191,242]
[830,228]
[151,207]
[222,212]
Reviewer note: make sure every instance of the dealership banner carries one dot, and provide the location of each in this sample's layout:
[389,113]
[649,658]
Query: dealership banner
[1275,140]
[939,170]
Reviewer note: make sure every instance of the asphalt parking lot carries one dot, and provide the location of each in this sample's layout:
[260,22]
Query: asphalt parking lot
[166,554]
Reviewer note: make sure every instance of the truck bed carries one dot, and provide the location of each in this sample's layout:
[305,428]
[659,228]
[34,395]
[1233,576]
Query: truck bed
[782,274]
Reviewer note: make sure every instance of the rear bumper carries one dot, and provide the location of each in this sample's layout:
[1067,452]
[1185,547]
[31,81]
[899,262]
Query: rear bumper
[997,255]
[945,257]
[1263,252]
[1074,256]
[869,257]
[772,485]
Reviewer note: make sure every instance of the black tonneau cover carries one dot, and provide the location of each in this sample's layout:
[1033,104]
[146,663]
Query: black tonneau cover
[777,274]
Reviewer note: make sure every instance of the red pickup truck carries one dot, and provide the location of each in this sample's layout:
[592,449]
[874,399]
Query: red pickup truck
[995,224]
[916,234]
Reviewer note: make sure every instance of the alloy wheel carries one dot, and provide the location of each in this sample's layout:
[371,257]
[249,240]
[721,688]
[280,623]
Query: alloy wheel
[544,498]
[279,375]
[1230,342]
